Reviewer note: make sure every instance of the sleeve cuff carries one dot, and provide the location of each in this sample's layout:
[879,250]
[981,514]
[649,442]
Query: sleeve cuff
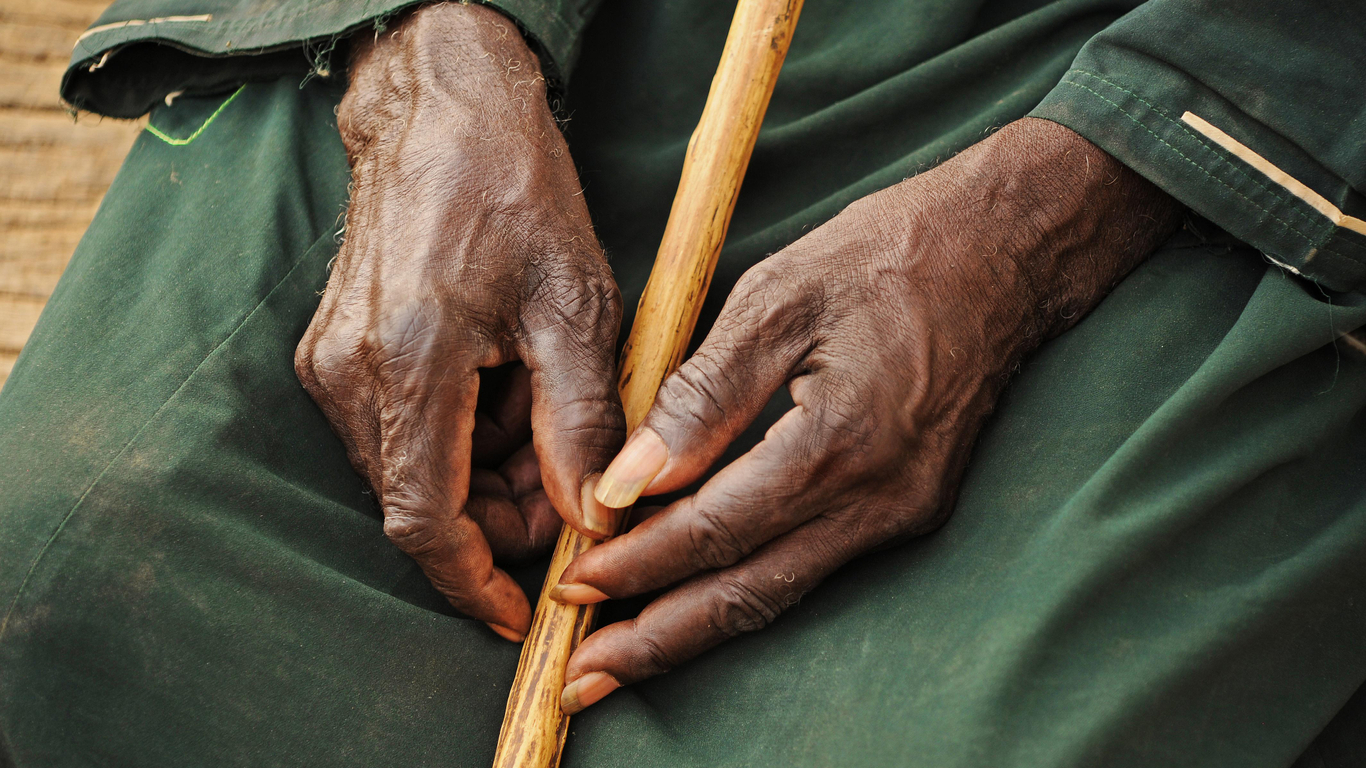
[137,53]
[1221,163]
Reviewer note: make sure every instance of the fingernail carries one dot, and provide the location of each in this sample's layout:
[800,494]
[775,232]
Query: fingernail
[633,469]
[586,691]
[597,517]
[507,634]
[576,594]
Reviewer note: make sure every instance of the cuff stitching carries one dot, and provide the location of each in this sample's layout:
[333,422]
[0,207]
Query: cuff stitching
[1196,165]
[1163,114]
[1287,225]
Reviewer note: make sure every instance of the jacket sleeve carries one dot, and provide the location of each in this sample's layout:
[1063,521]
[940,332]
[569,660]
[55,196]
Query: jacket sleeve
[140,51]
[1253,113]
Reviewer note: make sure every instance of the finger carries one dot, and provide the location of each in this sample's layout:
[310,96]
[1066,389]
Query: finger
[705,612]
[502,419]
[512,508]
[425,456]
[512,539]
[331,368]
[775,487]
[568,343]
[522,471]
[763,332]
[523,475]
[518,529]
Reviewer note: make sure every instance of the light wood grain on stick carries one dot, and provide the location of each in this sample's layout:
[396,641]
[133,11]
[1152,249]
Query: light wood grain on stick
[534,727]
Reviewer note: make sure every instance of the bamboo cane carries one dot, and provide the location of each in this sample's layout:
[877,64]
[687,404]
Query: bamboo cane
[534,727]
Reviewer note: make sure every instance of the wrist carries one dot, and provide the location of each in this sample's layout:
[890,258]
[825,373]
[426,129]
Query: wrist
[463,70]
[1078,220]
[1018,237]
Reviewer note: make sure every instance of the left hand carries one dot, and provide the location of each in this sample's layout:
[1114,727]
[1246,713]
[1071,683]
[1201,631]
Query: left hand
[895,325]
[469,302]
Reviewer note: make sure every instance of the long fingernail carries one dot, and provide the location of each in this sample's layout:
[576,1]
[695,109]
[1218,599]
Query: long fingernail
[633,469]
[586,691]
[506,633]
[576,594]
[597,517]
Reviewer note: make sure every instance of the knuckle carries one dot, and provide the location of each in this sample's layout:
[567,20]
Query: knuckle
[328,360]
[593,421]
[694,392]
[419,336]
[415,535]
[741,608]
[881,523]
[843,423]
[602,284]
[368,108]
[585,299]
[875,216]
[351,124]
[714,543]
[656,658]
[868,206]
[354,129]
[772,301]
[303,361]
[762,278]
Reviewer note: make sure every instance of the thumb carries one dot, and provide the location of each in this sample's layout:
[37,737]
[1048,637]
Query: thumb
[576,418]
[761,335]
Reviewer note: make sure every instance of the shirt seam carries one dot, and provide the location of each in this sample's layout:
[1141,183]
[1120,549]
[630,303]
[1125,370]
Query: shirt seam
[33,567]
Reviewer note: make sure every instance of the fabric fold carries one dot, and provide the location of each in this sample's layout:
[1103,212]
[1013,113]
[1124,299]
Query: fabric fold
[139,51]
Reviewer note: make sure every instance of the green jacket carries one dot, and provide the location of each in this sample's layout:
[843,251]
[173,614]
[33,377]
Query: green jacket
[1251,113]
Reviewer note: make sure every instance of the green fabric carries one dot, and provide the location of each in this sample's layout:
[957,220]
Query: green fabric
[1276,76]
[1158,556]
[138,51]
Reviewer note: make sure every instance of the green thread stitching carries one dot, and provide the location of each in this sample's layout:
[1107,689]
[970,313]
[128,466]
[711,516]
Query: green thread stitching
[152,129]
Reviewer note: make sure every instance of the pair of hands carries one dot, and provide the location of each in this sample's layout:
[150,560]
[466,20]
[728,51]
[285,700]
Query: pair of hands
[464,352]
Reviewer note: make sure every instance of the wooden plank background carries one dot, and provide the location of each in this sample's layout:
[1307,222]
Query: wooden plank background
[54,167]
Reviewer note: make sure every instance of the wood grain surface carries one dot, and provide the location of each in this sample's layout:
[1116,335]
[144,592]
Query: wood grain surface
[54,167]
[534,726]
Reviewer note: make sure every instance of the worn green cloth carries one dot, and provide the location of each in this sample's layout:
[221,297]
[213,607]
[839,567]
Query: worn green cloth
[1158,556]
[138,51]
[1278,77]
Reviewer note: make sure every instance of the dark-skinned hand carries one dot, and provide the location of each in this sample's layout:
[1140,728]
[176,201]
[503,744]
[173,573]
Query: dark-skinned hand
[895,326]
[469,309]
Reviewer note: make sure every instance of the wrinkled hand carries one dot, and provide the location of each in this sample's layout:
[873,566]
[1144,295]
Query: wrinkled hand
[469,310]
[895,325]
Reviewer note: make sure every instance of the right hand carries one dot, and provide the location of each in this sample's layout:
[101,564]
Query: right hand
[468,246]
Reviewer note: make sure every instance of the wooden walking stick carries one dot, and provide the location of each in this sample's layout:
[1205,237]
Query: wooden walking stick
[534,727]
